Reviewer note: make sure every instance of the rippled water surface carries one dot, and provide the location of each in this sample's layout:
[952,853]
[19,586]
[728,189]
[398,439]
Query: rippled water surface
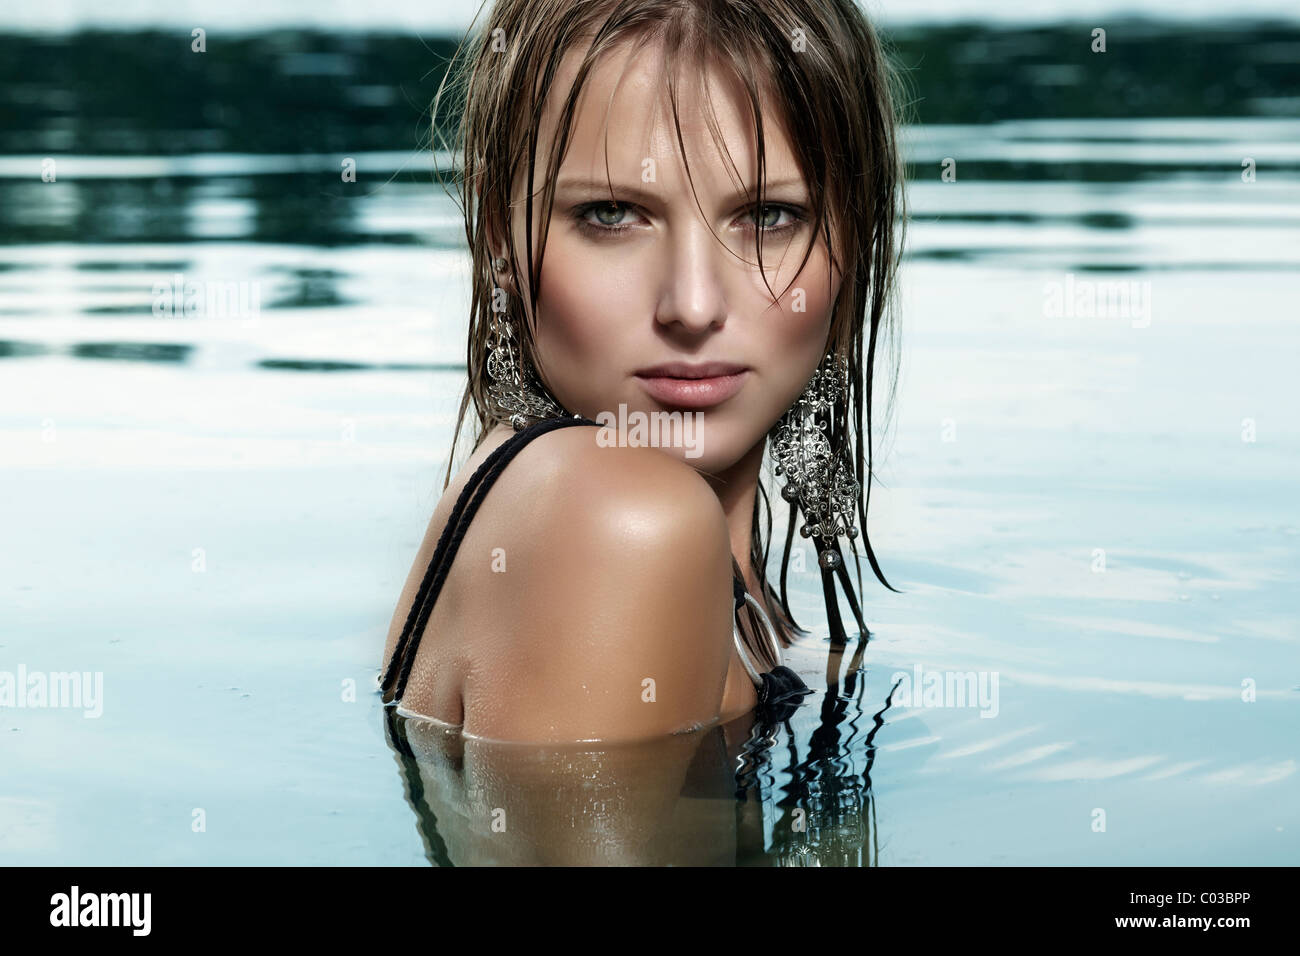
[1092,513]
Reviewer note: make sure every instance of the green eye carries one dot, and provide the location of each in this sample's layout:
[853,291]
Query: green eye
[609,214]
[769,216]
[604,219]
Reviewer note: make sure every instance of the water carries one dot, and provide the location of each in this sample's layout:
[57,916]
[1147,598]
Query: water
[217,512]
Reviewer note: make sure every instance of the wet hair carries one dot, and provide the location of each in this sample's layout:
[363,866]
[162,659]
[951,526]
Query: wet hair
[828,73]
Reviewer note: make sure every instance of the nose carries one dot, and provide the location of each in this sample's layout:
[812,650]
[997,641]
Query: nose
[692,297]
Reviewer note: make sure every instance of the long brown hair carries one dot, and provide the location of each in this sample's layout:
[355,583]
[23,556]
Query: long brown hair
[829,73]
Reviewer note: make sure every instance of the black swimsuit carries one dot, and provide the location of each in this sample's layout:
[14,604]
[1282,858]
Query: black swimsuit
[779,691]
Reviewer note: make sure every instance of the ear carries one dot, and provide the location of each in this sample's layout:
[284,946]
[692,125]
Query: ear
[502,272]
[498,250]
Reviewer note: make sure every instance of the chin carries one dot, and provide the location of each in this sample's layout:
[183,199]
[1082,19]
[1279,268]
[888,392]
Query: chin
[717,446]
[711,441]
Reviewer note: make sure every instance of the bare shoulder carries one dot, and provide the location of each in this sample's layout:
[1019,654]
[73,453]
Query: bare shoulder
[568,476]
[613,618]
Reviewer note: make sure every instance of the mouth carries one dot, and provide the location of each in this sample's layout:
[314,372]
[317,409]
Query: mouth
[692,385]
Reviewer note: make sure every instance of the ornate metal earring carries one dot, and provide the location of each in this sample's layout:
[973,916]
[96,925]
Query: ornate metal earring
[819,480]
[513,389]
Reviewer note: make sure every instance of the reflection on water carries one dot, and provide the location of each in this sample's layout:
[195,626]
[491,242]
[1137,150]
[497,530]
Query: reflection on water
[359,248]
[1099,512]
[757,791]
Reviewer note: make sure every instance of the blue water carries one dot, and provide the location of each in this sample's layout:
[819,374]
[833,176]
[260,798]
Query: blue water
[217,513]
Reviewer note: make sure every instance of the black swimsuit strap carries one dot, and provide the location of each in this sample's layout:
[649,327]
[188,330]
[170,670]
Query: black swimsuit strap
[738,589]
[467,503]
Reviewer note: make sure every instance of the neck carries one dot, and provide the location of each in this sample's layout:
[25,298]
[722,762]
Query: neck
[737,489]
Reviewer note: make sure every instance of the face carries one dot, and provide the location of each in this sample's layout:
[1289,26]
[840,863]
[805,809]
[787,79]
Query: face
[656,303]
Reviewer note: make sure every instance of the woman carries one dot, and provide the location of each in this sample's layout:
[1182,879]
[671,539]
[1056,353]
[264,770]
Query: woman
[677,208]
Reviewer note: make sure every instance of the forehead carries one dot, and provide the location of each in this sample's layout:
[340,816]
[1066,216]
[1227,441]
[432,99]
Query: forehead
[624,117]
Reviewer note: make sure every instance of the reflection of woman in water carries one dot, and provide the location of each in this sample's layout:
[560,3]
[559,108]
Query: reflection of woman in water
[682,221]
[745,792]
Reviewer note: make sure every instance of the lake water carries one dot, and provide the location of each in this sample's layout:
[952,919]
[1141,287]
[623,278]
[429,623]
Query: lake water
[1091,513]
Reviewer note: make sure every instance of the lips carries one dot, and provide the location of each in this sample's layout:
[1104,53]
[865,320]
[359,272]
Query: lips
[692,385]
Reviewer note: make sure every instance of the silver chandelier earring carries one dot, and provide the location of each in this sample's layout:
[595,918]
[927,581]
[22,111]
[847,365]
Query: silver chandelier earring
[819,481]
[513,389]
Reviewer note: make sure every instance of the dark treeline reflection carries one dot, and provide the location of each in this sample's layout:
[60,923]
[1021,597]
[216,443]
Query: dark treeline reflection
[141,129]
[103,93]
[288,207]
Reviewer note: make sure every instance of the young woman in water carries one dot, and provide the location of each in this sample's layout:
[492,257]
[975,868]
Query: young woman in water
[672,206]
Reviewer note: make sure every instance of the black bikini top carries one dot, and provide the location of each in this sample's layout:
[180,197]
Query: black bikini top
[779,689]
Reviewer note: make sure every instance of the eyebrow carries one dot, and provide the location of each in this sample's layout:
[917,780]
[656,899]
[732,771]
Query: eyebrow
[641,195]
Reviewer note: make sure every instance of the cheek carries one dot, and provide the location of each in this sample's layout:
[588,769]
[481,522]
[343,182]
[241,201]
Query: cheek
[807,319]
[798,335]
[579,333]
[566,325]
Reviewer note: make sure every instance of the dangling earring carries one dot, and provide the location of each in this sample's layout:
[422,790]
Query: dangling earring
[514,391]
[818,480]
